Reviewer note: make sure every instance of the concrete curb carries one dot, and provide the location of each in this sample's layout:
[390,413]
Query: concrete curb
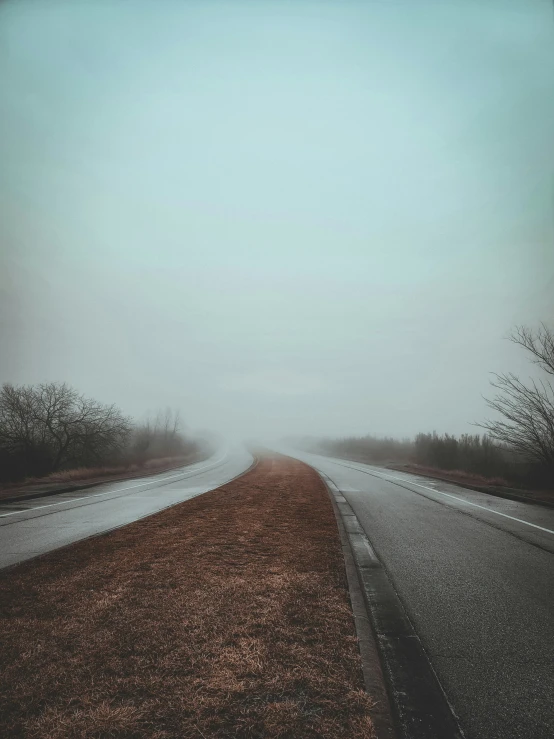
[417,707]
[374,680]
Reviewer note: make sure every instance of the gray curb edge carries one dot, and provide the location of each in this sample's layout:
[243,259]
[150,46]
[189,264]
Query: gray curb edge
[374,680]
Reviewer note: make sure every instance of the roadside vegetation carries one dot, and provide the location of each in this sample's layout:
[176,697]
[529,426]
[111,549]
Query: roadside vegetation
[50,431]
[479,457]
[517,448]
[224,616]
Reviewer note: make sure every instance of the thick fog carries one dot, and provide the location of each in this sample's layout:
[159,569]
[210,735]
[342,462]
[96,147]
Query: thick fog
[278,217]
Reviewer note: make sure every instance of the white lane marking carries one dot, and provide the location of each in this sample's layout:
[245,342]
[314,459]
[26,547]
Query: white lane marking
[110,492]
[462,500]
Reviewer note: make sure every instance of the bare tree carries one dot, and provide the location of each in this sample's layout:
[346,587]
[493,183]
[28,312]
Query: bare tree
[539,343]
[526,409]
[23,443]
[142,438]
[159,437]
[92,433]
[54,423]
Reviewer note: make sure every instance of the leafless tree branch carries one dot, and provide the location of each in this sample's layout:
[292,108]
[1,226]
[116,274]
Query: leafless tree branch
[526,410]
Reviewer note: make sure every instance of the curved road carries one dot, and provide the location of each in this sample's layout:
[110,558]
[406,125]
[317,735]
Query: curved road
[476,576]
[36,526]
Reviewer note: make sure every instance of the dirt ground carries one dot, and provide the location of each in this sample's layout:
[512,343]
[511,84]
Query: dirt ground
[225,616]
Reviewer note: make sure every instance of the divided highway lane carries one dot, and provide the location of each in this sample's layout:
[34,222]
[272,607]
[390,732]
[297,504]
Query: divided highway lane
[476,576]
[36,526]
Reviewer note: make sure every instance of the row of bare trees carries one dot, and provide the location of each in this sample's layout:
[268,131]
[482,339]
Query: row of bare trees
[378,450]
[49,427]
[159,436]
[472,453]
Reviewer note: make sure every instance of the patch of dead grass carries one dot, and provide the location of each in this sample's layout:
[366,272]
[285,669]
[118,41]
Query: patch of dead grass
[454,475]
[490,485]
[87,475]
[225,616]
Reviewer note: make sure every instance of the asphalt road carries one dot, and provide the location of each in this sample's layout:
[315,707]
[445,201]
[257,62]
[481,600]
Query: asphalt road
[476,576]
[36,526]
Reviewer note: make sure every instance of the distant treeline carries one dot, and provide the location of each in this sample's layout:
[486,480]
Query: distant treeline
[378,450]
[50,427]
[482,455]
[473,454]
[476,454]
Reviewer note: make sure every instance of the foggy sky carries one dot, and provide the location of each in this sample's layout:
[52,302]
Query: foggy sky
[279,217]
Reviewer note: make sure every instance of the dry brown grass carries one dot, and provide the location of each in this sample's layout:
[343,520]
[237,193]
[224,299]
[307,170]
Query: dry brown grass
[90,473]
[453,475]
[225,616]
[86,475]
[489,485]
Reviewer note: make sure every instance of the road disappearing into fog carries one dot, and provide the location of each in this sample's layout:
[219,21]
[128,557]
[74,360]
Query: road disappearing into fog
[476,576]
[33,527]
[474,572]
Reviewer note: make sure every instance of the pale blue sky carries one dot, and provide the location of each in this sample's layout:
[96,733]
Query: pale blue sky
[279,217]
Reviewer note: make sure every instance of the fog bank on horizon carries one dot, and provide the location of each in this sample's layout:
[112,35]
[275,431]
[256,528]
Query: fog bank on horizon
[280,218]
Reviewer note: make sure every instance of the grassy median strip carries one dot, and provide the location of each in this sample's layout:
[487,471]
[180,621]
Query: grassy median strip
[225,616]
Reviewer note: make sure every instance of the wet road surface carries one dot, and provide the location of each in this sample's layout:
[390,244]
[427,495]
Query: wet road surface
[36,526]
[476,575]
